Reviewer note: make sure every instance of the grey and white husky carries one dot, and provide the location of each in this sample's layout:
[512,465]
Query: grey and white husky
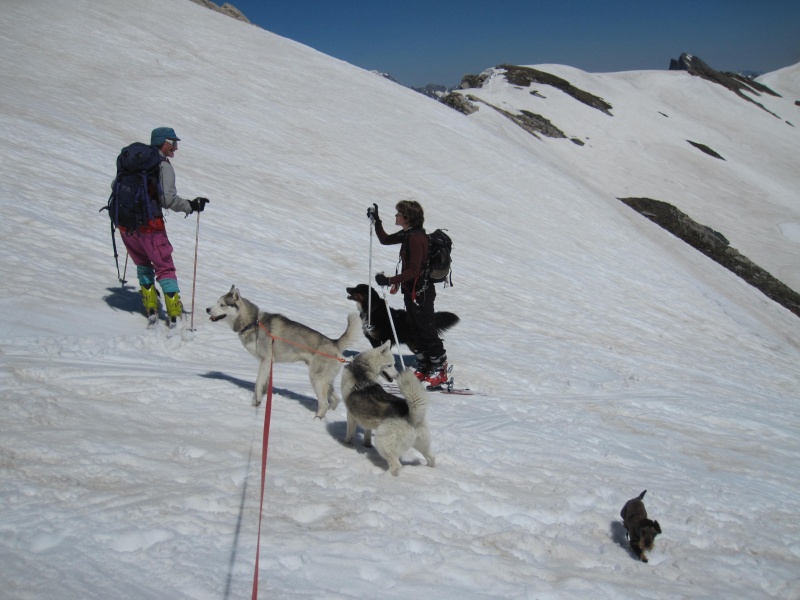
[399,423]
[294,342]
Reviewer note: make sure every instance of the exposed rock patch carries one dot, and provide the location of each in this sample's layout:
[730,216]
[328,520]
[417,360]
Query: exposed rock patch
[473,81]
[530,122]
[525,76]
[732,81]
[225,9]
[533,122]
[714,245]
[461,103]
[705,149]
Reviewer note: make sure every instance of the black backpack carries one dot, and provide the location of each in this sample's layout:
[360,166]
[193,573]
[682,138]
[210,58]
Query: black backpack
[135,194]
[440,247]
[134,199]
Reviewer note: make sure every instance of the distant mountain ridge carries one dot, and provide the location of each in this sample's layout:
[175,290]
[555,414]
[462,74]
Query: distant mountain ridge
[735,82]
[465,99]
[513,91]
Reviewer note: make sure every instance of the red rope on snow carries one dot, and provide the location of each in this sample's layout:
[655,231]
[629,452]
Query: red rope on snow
[267,418]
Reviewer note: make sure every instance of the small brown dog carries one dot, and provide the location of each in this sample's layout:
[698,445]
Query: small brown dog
[640,530]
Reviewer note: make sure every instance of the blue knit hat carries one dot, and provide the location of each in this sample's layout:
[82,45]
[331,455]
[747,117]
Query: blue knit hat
[161,135]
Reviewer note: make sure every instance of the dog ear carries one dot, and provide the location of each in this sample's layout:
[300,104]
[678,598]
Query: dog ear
[385,346]
[656,526]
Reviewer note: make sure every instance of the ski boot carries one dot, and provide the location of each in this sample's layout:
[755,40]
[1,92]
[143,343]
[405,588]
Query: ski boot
[423,367]
[150,301]
[174,307]
[437,376]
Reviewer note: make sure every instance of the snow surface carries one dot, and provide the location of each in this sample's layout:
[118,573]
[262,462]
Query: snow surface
[610,357]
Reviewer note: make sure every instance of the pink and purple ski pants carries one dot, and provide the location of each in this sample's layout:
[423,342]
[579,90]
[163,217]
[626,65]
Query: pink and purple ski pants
[151,252]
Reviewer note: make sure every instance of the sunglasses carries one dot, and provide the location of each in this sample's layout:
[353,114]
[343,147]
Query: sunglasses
[173,143]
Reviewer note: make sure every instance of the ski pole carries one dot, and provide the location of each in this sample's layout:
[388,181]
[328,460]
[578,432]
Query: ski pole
[120,278]
[194,275]
[369,276]
[124,270]
[394,331]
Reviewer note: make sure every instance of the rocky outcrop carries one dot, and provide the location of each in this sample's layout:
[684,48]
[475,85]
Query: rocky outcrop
[531,122]
[525,76]
[732,81]
[706,149]
[474,81]
[225,9]
[460,102]
[714,245]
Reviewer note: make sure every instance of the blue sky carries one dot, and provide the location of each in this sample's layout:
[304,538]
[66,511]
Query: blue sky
[439,41]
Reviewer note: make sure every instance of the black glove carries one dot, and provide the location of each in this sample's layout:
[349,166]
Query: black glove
[372,213]
[382,279]
[198,204]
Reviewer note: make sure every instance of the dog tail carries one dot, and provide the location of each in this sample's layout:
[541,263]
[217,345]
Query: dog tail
[446,320]
[351,333]
[415,395]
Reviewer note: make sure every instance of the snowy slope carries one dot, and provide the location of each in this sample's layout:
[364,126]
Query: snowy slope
[611,357]
[641,149]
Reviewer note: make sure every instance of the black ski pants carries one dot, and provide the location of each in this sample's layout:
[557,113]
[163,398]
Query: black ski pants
[421,317]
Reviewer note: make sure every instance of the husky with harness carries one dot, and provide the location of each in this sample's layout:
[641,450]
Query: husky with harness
[274,338]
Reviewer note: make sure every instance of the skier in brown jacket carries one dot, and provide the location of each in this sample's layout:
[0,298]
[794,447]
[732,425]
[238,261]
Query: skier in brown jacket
[419,294]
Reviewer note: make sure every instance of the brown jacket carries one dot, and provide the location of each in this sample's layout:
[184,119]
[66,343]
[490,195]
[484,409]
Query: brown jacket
[413,255]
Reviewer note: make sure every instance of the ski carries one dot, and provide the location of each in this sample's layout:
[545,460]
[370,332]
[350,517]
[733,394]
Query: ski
[445,388]
[441,389]
[452,390]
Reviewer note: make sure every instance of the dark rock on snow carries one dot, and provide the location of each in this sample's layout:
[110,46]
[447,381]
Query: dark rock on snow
[714,245]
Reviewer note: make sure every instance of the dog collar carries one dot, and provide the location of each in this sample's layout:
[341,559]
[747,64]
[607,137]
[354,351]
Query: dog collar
[255,323]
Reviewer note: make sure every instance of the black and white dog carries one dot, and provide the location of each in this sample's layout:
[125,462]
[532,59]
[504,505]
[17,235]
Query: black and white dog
[381,329]
[399,423]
